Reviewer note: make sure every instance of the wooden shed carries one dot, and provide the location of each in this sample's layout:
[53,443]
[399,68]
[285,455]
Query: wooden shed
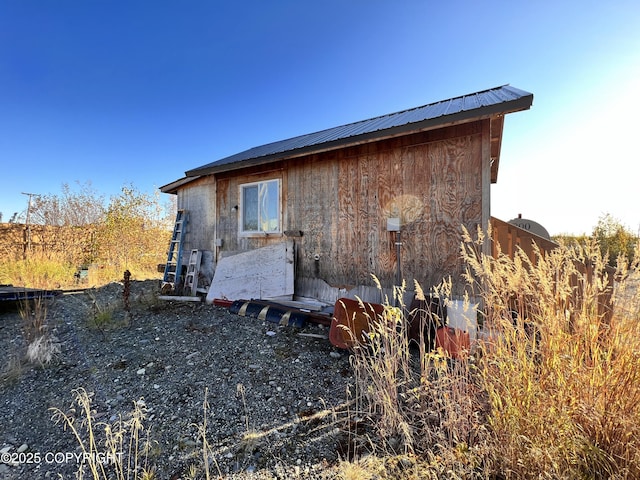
[339,195]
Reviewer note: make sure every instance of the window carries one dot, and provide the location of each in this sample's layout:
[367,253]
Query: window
[260,207]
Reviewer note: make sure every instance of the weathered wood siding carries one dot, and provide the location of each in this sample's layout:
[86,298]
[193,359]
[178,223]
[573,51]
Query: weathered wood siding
[507,238]
[436,181]
[433,181]
[228,197]
[199,201]
[341,200]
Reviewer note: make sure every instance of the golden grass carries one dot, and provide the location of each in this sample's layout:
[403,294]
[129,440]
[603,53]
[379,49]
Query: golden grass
[37,271]
[551,389]
[560,371]
[118,450]
[422,404]
[43,272]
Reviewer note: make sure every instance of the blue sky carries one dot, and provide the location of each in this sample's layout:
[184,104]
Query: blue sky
[119,93]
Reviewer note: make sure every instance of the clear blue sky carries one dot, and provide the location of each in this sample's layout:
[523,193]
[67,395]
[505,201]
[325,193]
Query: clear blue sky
[120,93]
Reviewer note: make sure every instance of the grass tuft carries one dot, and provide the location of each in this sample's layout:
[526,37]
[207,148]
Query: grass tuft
[42,345]
[559,365]
[118,450]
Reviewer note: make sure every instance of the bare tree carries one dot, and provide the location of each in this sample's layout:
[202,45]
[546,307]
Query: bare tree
[70,208]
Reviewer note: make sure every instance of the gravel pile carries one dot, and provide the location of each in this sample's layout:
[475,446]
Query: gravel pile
[276,395]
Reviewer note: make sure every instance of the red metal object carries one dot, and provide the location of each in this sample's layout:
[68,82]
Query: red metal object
[455,342]
[221,302]
[351,320]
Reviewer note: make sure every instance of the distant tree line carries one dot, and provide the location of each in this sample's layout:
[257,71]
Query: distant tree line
[616,241]
[132,228]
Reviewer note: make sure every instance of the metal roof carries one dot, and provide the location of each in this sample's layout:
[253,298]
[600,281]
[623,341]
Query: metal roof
[486,103]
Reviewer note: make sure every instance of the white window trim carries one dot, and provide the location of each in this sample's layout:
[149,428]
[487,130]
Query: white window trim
[258,233]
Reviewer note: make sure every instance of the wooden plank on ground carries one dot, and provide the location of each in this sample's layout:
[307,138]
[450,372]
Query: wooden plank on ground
[261,273]
[179,298]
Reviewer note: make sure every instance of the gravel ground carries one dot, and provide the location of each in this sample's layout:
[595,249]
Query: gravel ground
[285,385]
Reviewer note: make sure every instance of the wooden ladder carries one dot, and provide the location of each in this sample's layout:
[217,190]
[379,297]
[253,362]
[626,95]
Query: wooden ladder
[193,269]
[173,268]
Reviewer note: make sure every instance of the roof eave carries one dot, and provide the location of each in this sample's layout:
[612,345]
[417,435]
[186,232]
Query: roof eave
[495,138]
[173,187]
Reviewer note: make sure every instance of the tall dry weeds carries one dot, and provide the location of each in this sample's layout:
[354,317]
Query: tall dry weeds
[422,403]
[552,389]
[42,345]
[560,364]
[119,450]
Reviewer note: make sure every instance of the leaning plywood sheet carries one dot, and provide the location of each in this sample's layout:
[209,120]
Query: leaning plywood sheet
[262,273]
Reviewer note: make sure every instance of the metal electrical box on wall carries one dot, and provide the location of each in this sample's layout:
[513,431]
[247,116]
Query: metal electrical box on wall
[393,224]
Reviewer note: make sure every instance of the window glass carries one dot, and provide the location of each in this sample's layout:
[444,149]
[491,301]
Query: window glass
[250,208]
[261,207]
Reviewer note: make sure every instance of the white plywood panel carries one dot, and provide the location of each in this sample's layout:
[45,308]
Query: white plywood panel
[261,273]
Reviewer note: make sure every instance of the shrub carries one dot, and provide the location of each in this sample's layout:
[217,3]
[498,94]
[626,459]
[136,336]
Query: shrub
[73,230]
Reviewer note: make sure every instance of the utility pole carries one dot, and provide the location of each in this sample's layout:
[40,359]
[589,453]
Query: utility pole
[28,242]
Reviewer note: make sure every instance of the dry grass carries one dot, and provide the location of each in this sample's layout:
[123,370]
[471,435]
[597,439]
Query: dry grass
[552,389]
[42,271]
[37,271]
[561,375]
[118,450]
[42,345]
[423,405]
[123,449]
[12,370]
[43,350]
[208,458]
[34,318]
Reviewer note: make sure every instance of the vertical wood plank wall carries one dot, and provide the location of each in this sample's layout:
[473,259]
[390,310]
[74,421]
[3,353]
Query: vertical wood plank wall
[507,238]
[341,200]
[199,201]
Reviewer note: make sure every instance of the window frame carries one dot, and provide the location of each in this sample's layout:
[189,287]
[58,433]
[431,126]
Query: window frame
[241,209]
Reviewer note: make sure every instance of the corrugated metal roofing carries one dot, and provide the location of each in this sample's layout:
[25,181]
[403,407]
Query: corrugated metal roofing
[499,100]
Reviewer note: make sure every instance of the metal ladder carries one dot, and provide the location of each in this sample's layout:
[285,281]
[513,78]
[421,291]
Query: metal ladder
[173,268]
[193,269]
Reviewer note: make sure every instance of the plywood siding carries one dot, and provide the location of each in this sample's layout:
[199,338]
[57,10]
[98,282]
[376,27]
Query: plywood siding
[199,201]
[228,197]
[312,207]
[342,201]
